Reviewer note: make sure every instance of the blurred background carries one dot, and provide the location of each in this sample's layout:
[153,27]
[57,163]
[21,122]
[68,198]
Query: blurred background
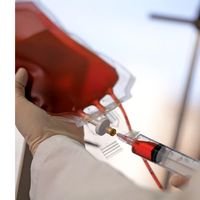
[159,54]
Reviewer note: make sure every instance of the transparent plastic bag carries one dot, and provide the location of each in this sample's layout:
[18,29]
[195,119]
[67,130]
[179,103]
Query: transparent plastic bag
[29,13]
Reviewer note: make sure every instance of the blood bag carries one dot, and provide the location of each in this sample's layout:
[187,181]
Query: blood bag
[66,77]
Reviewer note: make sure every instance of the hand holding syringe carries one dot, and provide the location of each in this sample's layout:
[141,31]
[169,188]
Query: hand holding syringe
[162,155]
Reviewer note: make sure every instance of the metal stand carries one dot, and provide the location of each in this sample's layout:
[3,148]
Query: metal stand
[188,83]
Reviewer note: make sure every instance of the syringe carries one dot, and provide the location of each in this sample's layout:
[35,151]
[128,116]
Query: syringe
[162,155]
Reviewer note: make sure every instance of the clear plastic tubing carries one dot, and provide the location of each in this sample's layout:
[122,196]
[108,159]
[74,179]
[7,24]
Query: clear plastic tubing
[162,155]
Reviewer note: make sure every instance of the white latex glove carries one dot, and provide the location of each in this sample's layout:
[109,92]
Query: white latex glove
[178,181]
[35,124]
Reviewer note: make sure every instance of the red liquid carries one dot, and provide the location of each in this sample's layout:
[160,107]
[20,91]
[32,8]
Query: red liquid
[138,147]
[63,75]
[99,106]
[143,148]
[116,100]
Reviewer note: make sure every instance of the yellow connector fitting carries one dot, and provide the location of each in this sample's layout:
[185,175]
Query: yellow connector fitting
[111,131]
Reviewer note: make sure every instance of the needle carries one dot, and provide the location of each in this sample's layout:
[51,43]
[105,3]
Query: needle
[125,138]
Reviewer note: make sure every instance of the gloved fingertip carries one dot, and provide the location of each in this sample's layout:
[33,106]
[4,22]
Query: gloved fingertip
[21,77]
[178,181]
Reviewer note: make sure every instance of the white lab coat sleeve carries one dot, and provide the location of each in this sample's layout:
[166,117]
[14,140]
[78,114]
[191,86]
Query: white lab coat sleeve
[63,170]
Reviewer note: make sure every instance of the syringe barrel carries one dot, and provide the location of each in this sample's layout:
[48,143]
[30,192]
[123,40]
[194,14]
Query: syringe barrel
[164,156]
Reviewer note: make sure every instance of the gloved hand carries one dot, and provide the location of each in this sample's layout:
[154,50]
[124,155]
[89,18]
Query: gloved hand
[35,124]
[178,181]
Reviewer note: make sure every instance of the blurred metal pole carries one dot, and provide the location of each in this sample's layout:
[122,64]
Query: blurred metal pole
[171,19]
[188,83]
[185,99]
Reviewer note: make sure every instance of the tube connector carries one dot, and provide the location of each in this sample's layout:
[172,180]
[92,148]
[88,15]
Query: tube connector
[111,131]
[103,126]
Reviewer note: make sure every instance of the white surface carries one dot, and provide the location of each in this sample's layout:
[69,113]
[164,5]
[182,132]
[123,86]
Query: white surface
[19,152]
[89,178]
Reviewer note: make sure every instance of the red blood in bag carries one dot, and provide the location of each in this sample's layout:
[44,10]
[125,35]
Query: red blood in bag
[63,75]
